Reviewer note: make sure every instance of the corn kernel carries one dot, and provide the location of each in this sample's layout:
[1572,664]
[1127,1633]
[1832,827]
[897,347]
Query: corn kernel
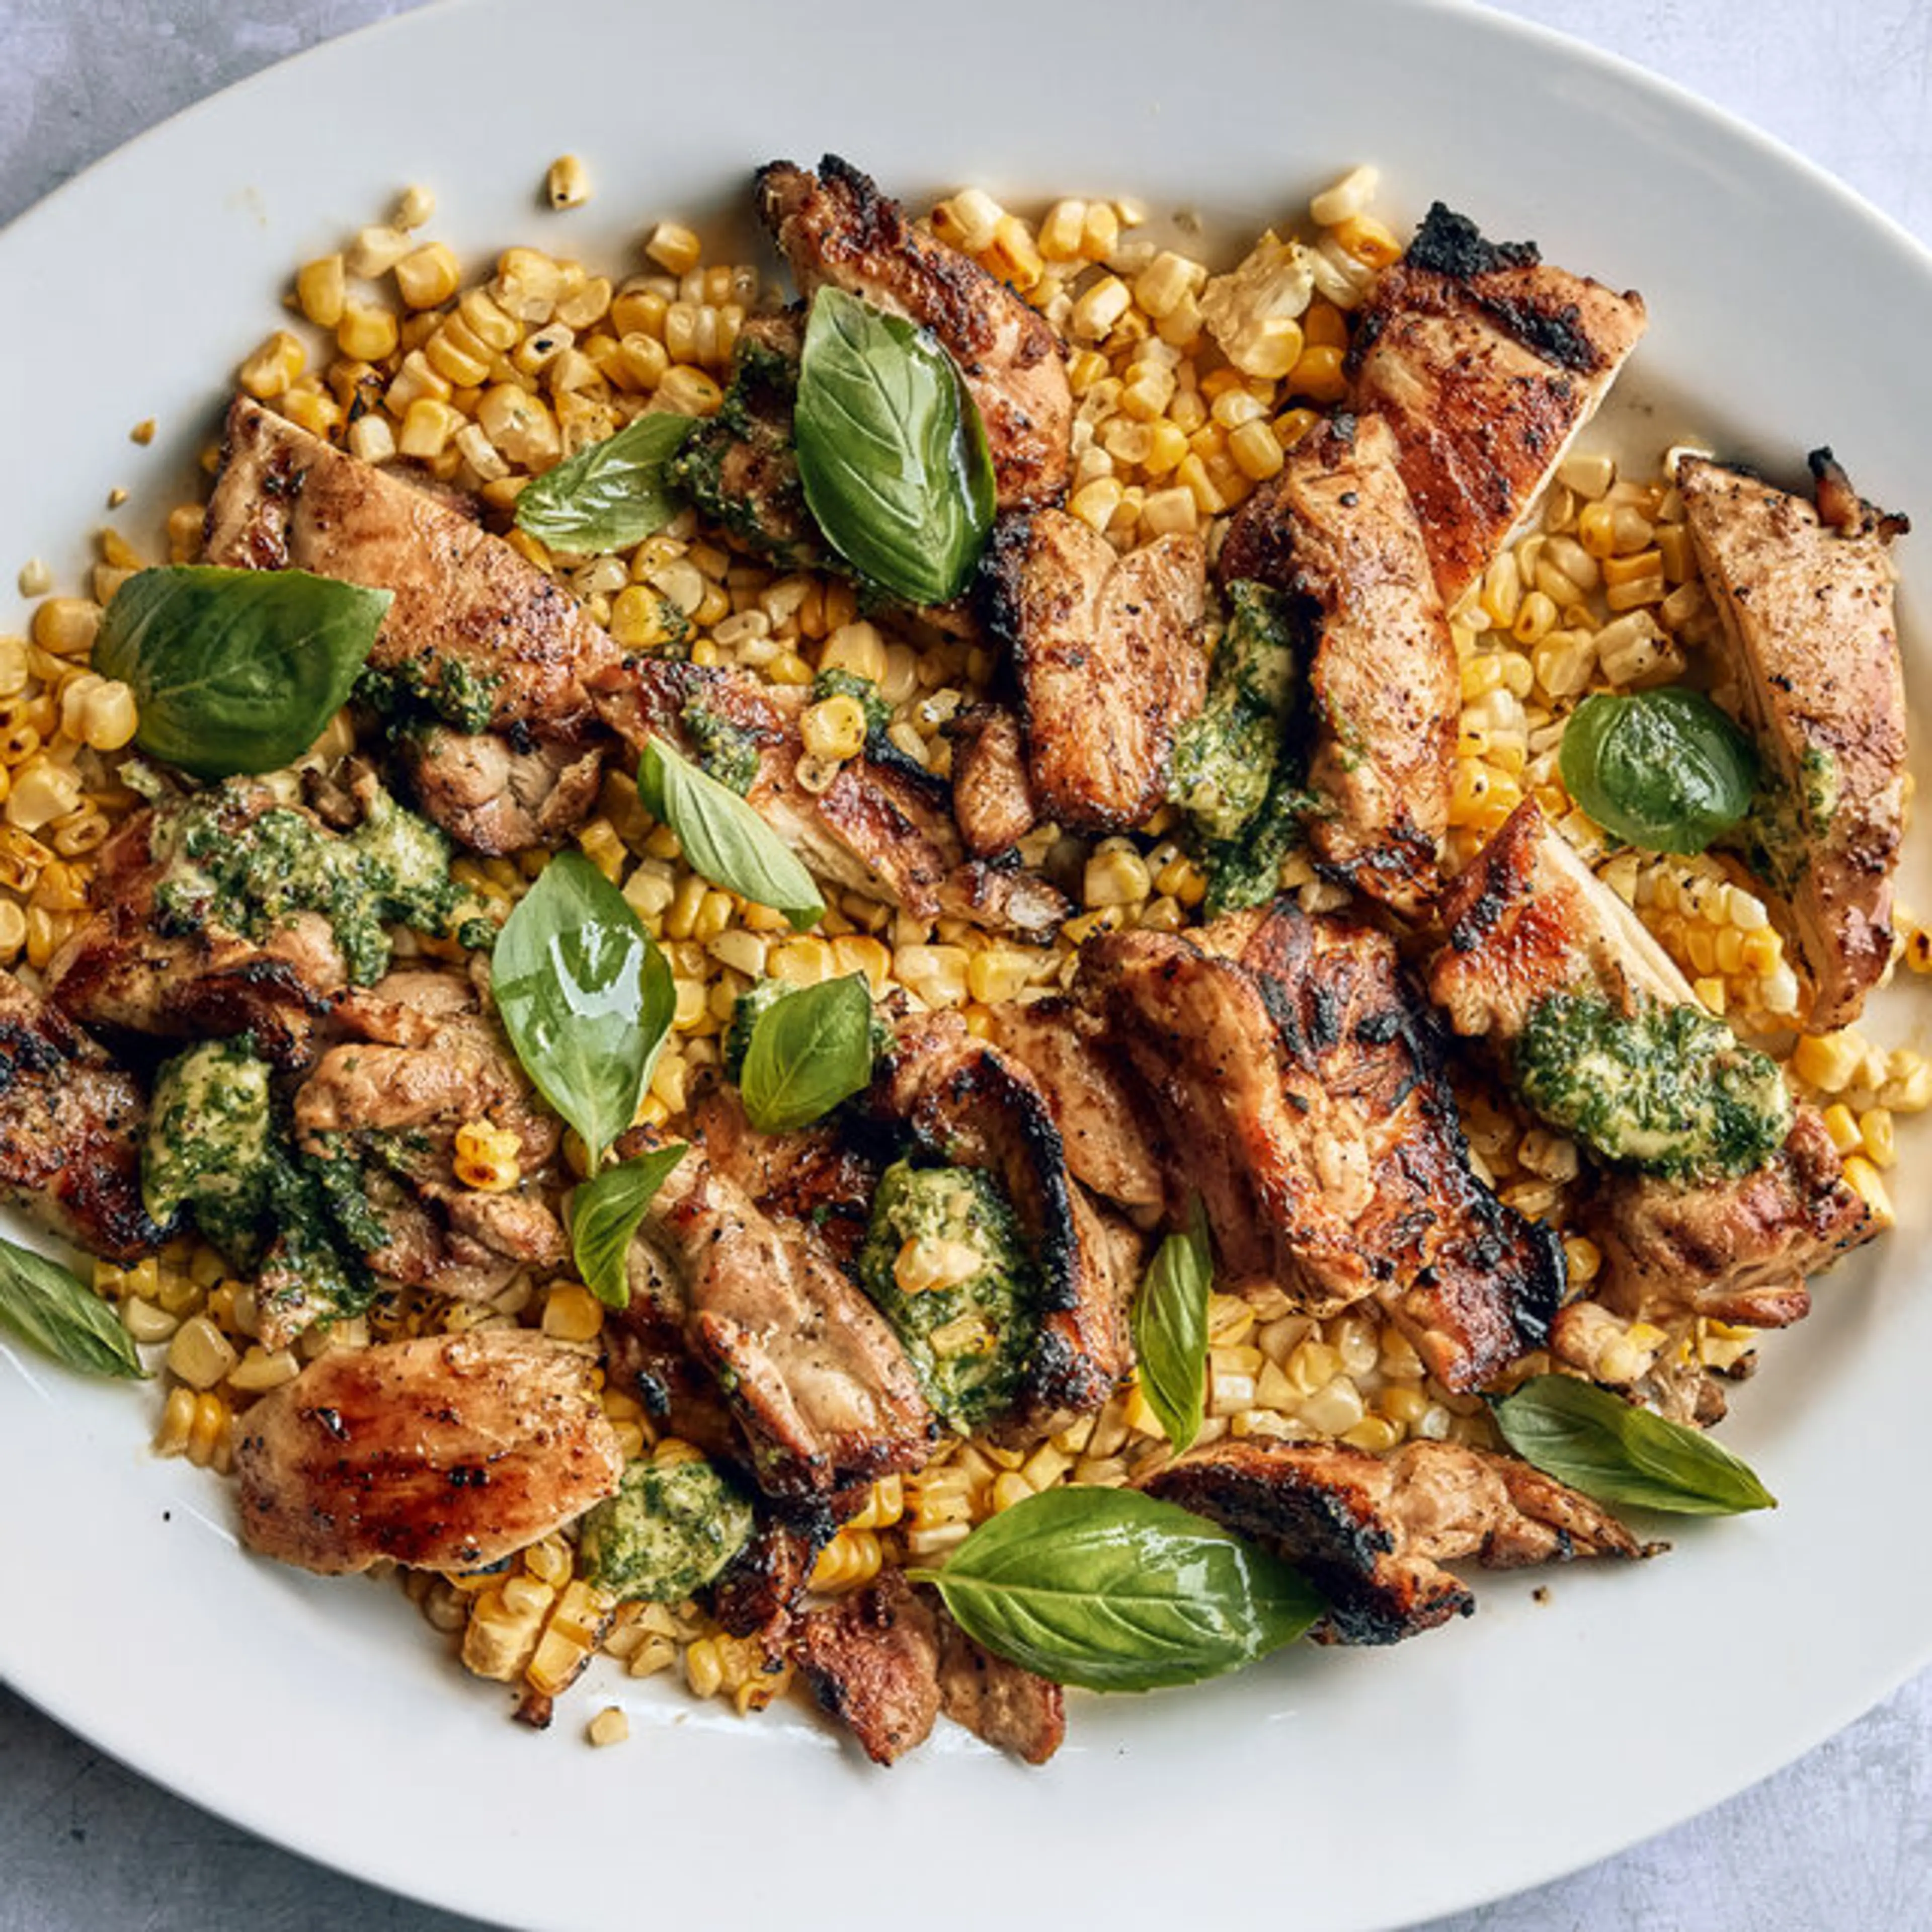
[320,289]
[428,276]
[567,185]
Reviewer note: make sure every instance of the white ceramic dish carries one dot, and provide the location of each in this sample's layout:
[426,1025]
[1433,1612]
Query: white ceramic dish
[1368,1788]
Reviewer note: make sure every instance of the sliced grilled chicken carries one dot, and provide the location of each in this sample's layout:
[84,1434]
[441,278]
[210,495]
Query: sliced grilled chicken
[444,1453]
[1372,1532]
[1301,1085]
[1108,653]
[1112,1142]
[1528,918]
[1336,527]
[835,226]
[965,1102]
[1808,623]
[426,1060]
[884,829]
[992,796]
[887,1659]
[135,967]
[759,1591]
[465,604]
[808,1369]
[1486,361]
[71,1124]
[496,799]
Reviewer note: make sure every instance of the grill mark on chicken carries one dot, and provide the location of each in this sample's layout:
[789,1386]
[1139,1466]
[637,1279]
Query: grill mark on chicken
[283,498]
[808,1367]
[1336,528]
[759,1592]
[1373,1532]
[886,1660]
[496,799]
[1107,651]
[1529,919]
[122,971]
[448,1452]
[835,226]
[965,1102]
[882,827]
[1807,606]
[1486,361]
[992,796]
[71,1124]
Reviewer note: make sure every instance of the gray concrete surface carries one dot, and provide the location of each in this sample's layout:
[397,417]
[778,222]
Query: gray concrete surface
[1840,1842]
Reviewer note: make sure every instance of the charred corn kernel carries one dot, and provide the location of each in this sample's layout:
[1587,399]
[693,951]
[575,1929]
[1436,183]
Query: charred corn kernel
[674,247]
[428,276]
[371,439]
[64,626]
[1013,254]
[1864,1179]
[427,428]
[1061,232]
[1843,1126]
[1346,198]
[267,372]
[1828,1061]
[834,728]
[320,287]
[366,333]
[1370,242]
[567,185]
[200,1355]
[488,1158]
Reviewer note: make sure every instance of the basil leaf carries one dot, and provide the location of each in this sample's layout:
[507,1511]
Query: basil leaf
[891,452]
[51,1308]
[1598,1443]
[1114,1591]
[585,996]
[723,839]
[235,670]
[610,494]
[1170,1325]
[1665,769]
[809,1050]
[604,1215]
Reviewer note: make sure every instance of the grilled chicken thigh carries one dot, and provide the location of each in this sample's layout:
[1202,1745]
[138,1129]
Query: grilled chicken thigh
[1299,1083]
[1107,651]
[71,1128]
[448,1452]
[992,795]
[1806,607]
[1336,528]
[1372,1532]
[835,226]
[497,800]
[808,1369]
[1486,361]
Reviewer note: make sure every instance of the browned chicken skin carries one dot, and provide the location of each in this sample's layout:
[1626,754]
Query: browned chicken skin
[1486,361]
[835,226]
[1299,1084]
[887,1659]
[71,1128]
[444,1453]
[1372,1532]
[463,598]
[1108,653]
[1336,528]
[1808,623]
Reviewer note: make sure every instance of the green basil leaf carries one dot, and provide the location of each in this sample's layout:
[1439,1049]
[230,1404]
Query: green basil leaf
[604,1215]
[891,452]
[585,996]
[810,1049]
[610,494]
[723,839]
[1170,1325]
[51,1308]
[1598,1443]
[235,670]
[1113,1590]
[1665,769]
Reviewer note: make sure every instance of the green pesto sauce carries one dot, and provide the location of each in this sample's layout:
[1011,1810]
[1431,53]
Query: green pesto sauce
[447,690]
[727,752]
[1778,836]
[671,1529]
[1669,1090]
[256,876]
[836,683]
[967,1343]
[1234,772]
